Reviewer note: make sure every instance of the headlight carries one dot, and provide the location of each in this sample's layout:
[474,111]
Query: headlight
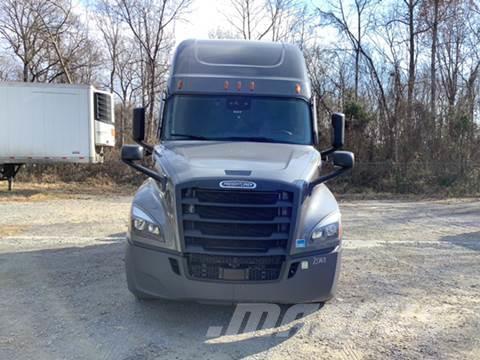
[330,228]
[145,227]
[326,234]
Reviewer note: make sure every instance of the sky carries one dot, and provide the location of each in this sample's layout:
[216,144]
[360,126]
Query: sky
[203,17]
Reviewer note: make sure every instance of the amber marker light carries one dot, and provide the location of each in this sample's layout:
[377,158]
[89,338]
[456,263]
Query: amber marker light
[226,85]
[180,84]
[239,85]
[252,85]
[298,88]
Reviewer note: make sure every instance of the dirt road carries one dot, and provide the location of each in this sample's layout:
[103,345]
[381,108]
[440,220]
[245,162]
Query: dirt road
[410,288]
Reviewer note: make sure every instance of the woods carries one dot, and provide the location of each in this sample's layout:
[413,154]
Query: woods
[405,73]
[409,89]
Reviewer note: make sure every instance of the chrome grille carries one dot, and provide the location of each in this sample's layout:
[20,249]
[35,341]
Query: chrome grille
[219,220]
[235,235]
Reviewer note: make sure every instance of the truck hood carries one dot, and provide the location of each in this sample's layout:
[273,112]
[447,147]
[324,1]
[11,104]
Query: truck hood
[188,160]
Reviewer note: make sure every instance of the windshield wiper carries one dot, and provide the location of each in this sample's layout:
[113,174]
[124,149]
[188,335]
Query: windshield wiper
[232,138]
[253,139]
[191,137]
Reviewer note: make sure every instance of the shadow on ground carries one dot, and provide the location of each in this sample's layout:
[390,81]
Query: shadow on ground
[4,193]
[74,300]
[467,240]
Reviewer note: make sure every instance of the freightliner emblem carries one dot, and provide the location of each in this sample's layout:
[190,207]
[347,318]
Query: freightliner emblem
[237,184]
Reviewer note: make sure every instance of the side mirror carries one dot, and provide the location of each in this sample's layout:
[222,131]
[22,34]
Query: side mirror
[338,134]
[139,125]
[343,159]
[132,153]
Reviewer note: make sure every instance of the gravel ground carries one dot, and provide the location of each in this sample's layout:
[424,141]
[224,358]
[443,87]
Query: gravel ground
[409,288]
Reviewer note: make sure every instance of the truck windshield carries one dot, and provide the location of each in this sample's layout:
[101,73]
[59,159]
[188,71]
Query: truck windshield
[237,118]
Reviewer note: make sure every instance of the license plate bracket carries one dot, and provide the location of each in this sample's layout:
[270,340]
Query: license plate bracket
[233,274]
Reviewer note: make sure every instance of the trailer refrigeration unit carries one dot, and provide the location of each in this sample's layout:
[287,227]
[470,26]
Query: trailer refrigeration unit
[236,208]
[52,123]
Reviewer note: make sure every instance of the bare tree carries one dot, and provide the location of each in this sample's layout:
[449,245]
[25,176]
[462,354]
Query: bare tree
[128,82]
[47,37]
[435,4]
[264,19]
[21,27]
[53,21]
[110,27]
[409,19]
[7,69]
[150,22]
[337,16]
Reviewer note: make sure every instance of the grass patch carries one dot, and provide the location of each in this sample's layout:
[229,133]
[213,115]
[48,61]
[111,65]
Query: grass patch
[32,192]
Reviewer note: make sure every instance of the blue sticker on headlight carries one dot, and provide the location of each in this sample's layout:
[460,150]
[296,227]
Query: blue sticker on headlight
[300,243]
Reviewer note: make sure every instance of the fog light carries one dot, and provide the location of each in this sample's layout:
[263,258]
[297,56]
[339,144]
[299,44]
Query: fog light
[304,265]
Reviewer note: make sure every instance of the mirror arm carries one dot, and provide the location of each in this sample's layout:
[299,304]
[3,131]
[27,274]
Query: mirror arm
[148,148]
[149,172]
[324,178]
[324,153]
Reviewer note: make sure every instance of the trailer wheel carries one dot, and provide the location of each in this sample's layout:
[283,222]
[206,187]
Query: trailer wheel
[8,172]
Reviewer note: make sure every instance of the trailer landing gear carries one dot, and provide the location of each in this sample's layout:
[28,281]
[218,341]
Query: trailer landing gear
[8,173]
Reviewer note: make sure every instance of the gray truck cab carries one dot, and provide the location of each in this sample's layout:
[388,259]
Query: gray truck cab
[235,208]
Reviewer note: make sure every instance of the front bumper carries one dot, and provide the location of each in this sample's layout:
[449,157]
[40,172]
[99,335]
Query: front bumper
[150,272]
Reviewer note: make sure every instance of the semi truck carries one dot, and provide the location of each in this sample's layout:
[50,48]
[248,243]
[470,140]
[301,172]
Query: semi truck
[235,207]
[52,123]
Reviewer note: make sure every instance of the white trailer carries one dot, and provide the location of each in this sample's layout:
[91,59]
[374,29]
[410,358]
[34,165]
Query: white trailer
[53,123]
